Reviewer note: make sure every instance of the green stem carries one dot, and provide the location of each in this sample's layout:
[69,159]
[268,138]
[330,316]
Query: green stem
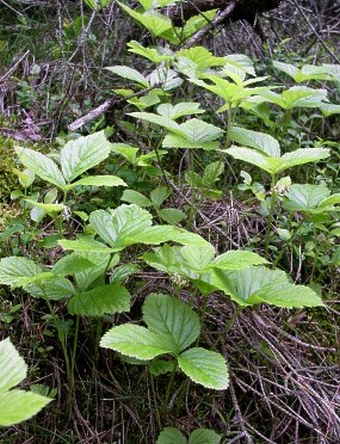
[171,380]
[158,416]
[270,217]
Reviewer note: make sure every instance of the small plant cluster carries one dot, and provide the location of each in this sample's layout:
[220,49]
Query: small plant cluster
[112,243]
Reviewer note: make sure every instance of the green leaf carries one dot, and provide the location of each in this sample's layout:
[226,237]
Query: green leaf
[85,244]
[103,261]
[107,299]
[134,197]
[205,367]
[121,227]
[18,271]
[15,405]
[307,72]
[133,340]
[42,166]
[236,260]
[197,257]
[161,367]
[79,155]
[198,131]
[175,141]
[99,181]
[71,264]
[47,208]
[149,53]
[173,321]
[162,121]
[171,215]
[254,139]
[179,110]
[256,285]
[305,197]
[212,172]
[271,165]
[159,195]
[170,435]
[165,233]
[328,109]
[12,367]
[129,73]
[204,436]
[54,289]
[302,156]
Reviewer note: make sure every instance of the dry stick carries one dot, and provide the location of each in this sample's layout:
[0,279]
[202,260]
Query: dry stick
[219,18]
[101,109]
[14,67]
[315,32]
[238,412]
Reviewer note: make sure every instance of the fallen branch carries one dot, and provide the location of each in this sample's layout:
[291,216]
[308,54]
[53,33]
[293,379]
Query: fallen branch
[104,107]
[219,18]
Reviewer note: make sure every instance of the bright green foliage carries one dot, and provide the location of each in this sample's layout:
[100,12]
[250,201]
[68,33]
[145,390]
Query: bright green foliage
[76,157]
[125,226]
[172,327]
[312,199]
[15,405]
[257,285]
[307,72]
[157,197]
[190,261]
[170,435]
[20,271]
[265,152]
[129,73]
[297,97]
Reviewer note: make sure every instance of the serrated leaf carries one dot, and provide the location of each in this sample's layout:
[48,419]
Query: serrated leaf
[196,257]
[173,321]
[170,435]
[99,181]
[41,165]
[171,215]
[305,197]
[53,289]
[205,367]
[175,141]
[287,296]
[18,271]
[134,197]
[85,244]
[302,156]
[12,367]
[159,195]
[271,165]
[123,272]
[129,73]
[161,367]
[236,260]
[17,406]
[79,155]
[49,208]
[133,340]
[149,53]
[212,172]
[102,260]
[164,233]
[254,139]
[107,299]
[179,110]
[71,264]
[162,121]
[255,285]
[198,131]
[329,109]
[121,227]
[204,436]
